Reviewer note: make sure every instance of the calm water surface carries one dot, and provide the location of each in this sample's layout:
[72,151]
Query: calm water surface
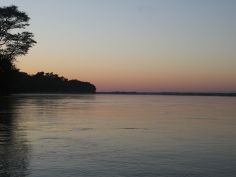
[117,136]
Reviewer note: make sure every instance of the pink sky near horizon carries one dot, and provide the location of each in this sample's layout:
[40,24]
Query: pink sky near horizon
[155,45]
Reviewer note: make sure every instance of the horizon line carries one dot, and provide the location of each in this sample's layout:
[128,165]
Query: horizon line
[174,93]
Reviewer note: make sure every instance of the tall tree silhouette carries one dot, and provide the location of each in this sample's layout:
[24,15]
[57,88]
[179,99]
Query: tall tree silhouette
[14,41]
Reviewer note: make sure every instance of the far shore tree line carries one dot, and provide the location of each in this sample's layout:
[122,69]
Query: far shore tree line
[48,83]
[16,41]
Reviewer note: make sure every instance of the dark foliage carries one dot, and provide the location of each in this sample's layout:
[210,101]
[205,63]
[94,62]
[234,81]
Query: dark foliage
[7,70]
[48,83]
[14,41]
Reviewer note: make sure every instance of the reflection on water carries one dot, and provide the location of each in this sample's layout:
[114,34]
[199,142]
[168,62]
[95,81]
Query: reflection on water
[115,135]
[14,150]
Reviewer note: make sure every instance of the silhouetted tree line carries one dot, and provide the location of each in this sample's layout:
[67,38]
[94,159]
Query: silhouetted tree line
[14,81]
[48,83]
[15,41]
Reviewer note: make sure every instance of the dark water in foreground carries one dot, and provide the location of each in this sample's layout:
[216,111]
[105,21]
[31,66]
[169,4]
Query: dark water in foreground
[117,136]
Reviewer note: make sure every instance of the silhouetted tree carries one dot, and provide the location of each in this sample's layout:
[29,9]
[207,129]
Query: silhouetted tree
[7,70]
[49,83]
[14,41]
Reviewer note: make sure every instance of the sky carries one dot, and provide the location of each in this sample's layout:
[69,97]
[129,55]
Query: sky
[134,45]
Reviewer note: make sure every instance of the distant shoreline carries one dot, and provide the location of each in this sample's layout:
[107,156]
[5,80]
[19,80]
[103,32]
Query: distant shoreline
[230,94]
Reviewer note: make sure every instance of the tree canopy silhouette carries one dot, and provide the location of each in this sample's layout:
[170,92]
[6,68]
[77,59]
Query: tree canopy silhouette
[14,40]
[49,83]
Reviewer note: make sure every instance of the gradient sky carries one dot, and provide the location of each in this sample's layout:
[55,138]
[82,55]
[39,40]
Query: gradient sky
[135,45]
